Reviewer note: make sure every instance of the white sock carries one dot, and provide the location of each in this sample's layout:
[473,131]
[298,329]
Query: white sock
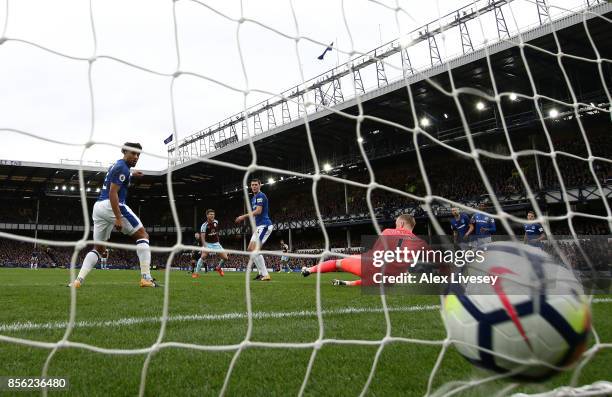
[261,265]
[144,256]
[88,263]
[256,265]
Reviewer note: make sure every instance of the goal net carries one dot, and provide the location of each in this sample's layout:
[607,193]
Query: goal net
[505,103]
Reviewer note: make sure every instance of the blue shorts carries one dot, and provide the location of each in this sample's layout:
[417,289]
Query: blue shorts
[214,246]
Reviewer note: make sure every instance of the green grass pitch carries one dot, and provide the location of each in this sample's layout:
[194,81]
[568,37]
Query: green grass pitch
[113,312]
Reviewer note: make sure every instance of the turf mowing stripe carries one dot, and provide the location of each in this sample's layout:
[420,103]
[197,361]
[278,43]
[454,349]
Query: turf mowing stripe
[26,326]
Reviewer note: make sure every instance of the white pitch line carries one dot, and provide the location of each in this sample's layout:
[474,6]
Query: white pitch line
[27,326]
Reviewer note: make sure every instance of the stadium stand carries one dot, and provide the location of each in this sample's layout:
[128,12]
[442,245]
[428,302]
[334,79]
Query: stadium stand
[44,199]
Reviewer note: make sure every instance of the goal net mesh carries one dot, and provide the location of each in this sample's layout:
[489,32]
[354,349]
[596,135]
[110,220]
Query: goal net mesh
[569,106]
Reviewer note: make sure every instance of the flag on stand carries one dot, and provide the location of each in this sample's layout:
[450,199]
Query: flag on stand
[329,48]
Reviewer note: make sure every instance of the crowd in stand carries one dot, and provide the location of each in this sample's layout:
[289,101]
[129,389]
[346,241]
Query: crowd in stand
[452,177]
[13,253]
[19,254]
[596,251]
[583,228]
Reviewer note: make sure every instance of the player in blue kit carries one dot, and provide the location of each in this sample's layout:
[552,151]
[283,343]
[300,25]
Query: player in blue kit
[481,227]
[263,227]
[534,232]
[460,223]
[110,212]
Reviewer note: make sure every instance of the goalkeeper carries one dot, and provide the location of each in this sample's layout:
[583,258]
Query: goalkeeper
[402,236]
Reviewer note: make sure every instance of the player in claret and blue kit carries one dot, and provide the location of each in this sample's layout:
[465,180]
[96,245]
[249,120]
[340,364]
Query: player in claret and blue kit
[111,212]
[534,232]
[481,227]
[34,260]
[263,227]
[209,235]
[284,258]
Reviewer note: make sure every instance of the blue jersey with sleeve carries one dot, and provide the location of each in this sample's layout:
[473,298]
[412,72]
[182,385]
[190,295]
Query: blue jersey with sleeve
[260,200]
[119,174]
[460,225]
[533,231]
[480,221]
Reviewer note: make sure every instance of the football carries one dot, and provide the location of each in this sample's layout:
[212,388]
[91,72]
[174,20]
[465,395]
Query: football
[531,323]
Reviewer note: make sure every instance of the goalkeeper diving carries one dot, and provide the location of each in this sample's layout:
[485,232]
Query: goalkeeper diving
[399,237]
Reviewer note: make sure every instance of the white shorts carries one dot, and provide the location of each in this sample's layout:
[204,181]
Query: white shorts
[262,233]
[284,258]
[104,220]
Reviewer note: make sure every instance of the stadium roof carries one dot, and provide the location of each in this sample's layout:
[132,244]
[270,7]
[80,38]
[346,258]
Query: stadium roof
[334,136]
[31,178]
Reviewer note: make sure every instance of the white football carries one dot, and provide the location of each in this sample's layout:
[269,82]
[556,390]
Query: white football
[533,322]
